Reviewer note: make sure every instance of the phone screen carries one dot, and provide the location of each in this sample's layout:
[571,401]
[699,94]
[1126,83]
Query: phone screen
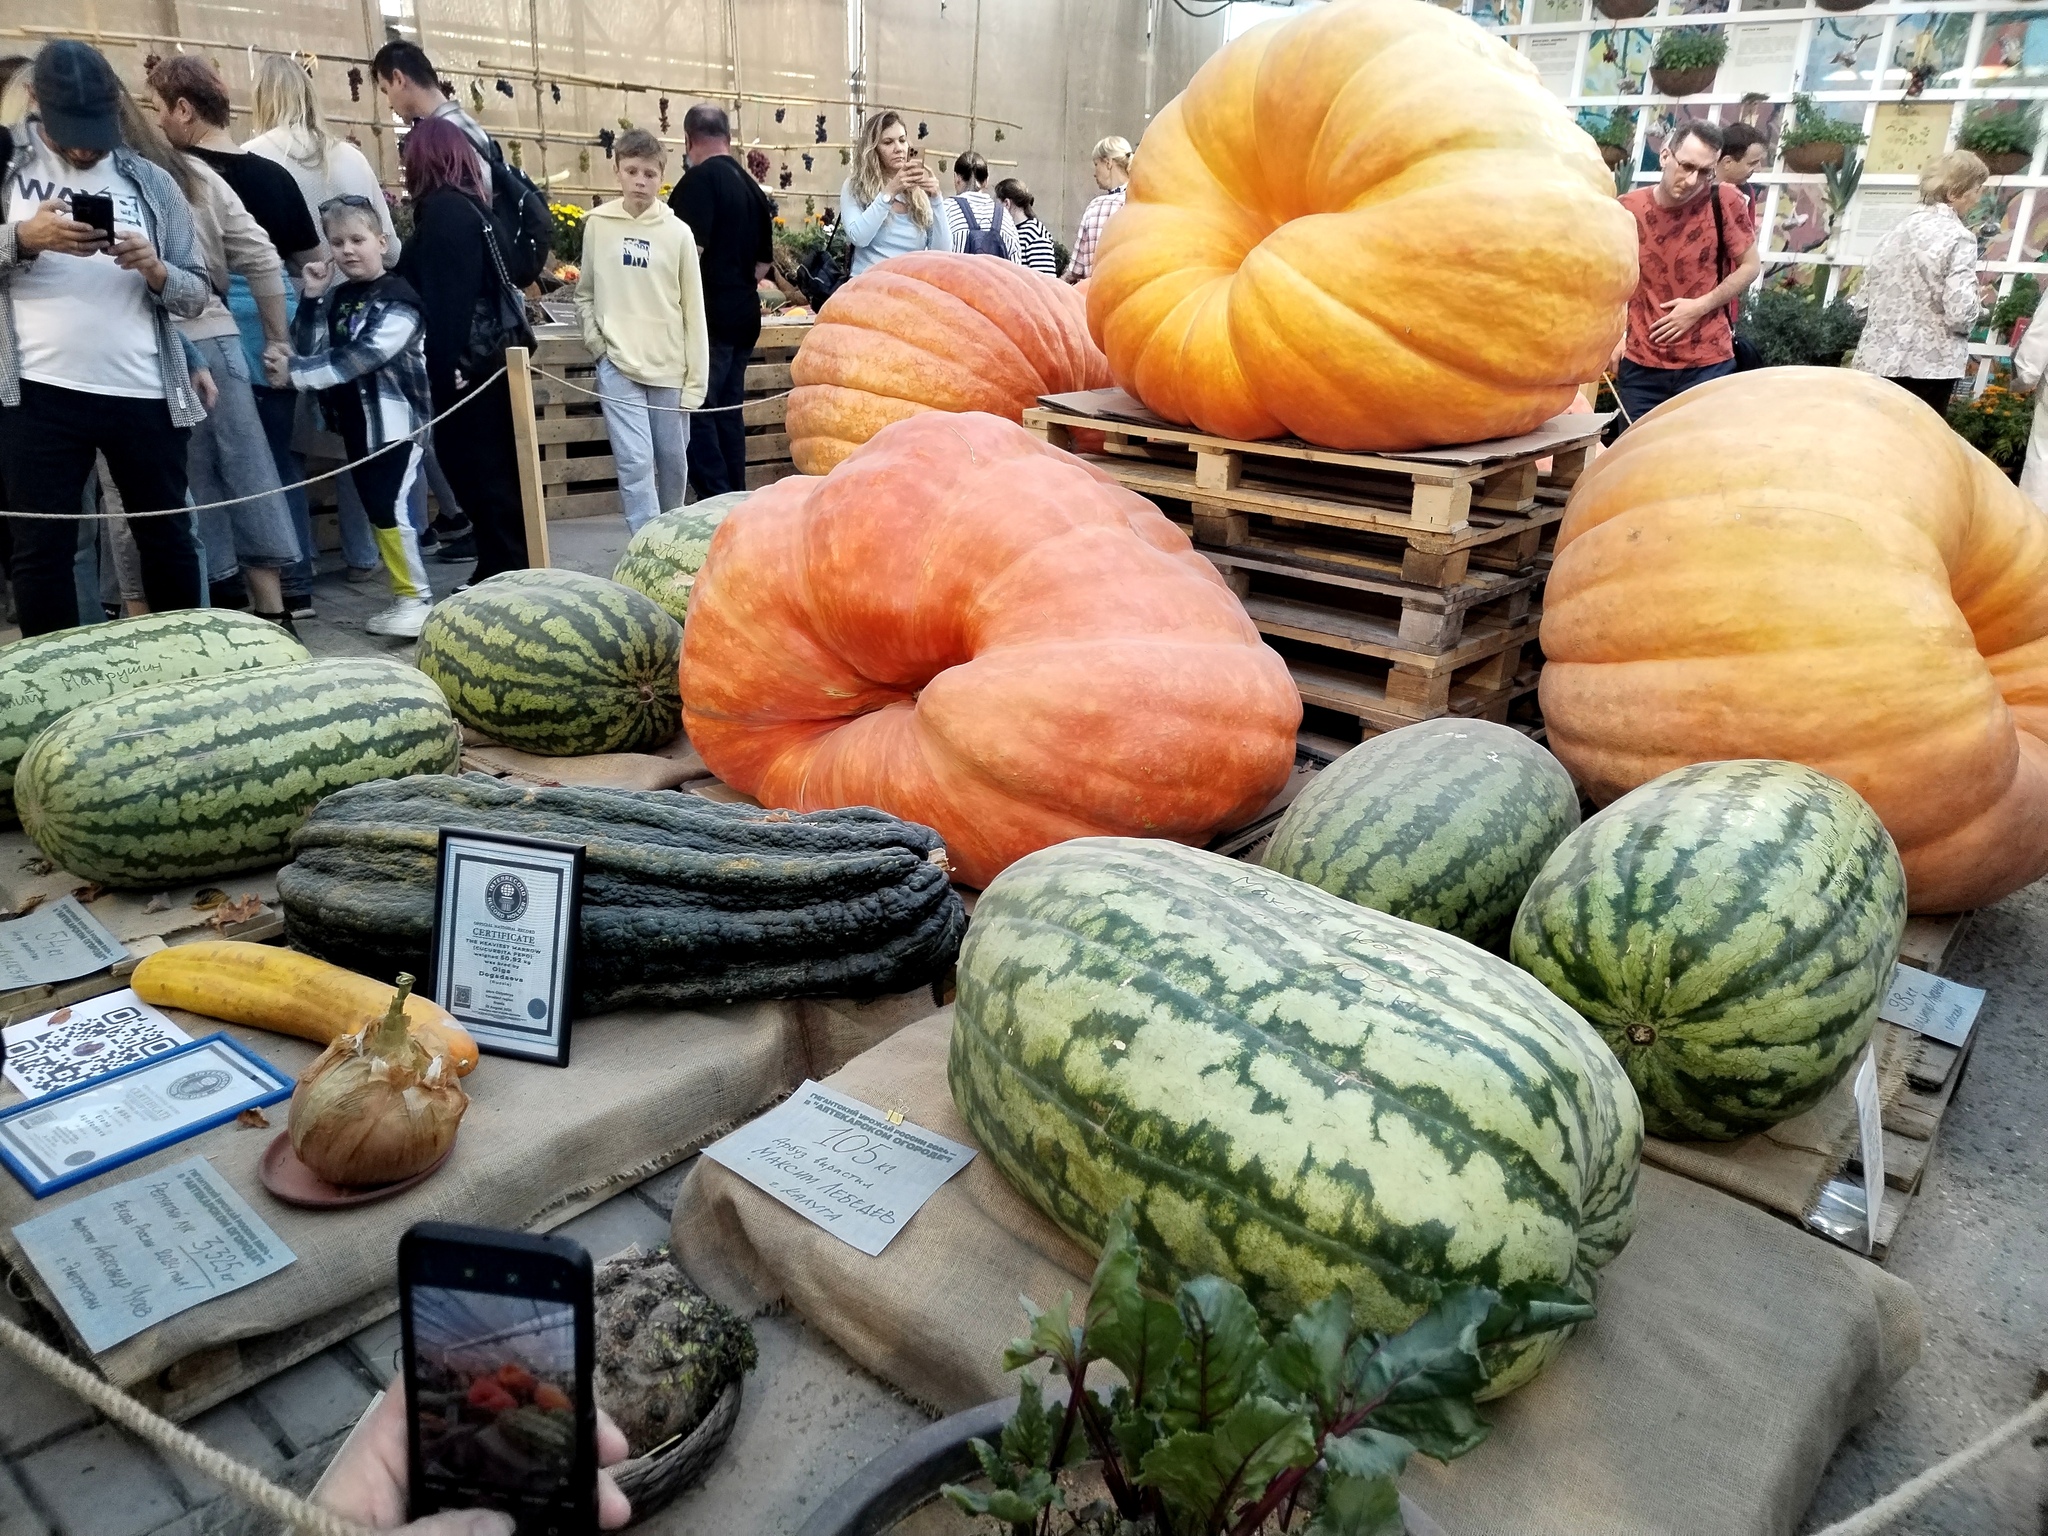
[94,209]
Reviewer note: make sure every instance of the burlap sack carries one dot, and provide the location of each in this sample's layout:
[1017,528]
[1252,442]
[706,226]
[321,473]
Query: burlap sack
[1731,1352]
[538,1145]
[671,767]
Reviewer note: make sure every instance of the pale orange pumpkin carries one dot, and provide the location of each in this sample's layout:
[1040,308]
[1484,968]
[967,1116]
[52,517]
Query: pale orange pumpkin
[1368,225]
[973,630]
[934,331]
[1806,563]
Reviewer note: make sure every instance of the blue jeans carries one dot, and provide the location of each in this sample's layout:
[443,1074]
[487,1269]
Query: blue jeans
[279,408]
[228,457]
[1641,390]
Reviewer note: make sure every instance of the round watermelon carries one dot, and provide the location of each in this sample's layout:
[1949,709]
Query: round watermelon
[1295,1092]
[1730,929]
[1444,823]
[557,662]
[664,557]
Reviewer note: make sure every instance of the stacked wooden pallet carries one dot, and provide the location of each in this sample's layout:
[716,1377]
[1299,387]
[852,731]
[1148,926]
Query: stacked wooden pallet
[1400,587]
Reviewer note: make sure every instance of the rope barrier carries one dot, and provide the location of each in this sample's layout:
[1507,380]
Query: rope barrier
[417,434]
[1901,1499]
[680,410]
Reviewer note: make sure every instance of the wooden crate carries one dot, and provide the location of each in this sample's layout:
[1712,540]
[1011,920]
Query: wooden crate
[578,475]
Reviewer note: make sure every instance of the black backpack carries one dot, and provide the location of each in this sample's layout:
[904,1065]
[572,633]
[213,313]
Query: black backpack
[981,242]
[526,229]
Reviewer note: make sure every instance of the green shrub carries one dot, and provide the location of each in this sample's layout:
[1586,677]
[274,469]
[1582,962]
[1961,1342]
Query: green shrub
[1790,327]
[1811,125]
[2018,305]
[1690,48]
[1989,131]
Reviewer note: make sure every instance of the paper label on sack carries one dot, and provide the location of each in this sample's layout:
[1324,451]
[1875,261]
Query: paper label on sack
[847,1166]
[124,1258]
[1870,1130]
[59,941]
[1940,1010]
[67,1046]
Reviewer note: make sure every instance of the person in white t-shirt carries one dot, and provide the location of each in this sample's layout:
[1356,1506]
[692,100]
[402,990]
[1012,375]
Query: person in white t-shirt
[89,361]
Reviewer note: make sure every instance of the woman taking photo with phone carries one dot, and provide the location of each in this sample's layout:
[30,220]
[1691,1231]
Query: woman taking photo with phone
[889,206]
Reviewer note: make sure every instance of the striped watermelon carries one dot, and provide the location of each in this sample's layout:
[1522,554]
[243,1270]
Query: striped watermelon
[1730,930]
[1297,1093]
[45,678]
[184,780]
[1444,823]
[664,557]
[558,662]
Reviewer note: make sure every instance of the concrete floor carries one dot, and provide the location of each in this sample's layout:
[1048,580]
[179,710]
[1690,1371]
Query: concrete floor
[1975,1246]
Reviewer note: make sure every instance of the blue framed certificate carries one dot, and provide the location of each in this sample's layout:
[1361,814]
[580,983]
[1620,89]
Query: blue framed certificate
[79,1133]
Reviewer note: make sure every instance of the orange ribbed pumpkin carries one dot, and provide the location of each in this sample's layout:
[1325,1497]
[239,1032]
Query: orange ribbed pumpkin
[1806,563]
[934,332]
[1370,226]
[978,632]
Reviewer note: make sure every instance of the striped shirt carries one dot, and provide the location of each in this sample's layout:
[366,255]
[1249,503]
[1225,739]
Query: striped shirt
[983,209]
[1094,219]
[1035,249]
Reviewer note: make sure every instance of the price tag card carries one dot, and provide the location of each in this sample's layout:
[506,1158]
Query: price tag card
[130,1255]
[844,1165]
[506,914]
[1940,1010]
[79,1133]
[1870,1130]
[87,1040]
[59,941]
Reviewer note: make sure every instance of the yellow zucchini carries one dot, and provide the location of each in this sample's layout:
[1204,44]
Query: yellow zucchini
[281,990]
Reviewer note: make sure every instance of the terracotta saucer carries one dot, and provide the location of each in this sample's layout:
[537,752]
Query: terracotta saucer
[296,1184]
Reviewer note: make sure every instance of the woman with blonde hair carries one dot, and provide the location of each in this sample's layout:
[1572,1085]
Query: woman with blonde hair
[292,131]
[1112,175]
[888,205]
[1921,294]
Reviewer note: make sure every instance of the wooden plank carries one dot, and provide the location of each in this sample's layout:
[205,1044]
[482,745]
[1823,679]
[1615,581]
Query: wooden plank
[1368,571]
[584,504]
[764,377]
[551,431]
[1365,635]
[767,445]
[759,475]
[1928,942]
[765,413]
[1366,699]
[564,471]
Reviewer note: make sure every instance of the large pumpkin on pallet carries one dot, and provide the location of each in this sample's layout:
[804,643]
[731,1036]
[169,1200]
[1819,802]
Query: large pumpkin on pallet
[1296,1093]
[1807,564]
[934,332]
[1279,263]
[978,632]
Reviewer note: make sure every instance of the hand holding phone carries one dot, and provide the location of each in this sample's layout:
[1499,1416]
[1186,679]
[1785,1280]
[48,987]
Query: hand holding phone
[96,210]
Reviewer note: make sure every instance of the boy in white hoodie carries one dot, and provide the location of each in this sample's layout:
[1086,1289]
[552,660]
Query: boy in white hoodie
[641,300]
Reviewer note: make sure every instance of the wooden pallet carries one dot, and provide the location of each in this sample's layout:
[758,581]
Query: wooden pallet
[1432,507]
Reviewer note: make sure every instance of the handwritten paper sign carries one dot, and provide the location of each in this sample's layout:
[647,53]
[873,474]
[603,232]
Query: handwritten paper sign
[59,941]
[1941,1010]
[124,1258]
[844,1165]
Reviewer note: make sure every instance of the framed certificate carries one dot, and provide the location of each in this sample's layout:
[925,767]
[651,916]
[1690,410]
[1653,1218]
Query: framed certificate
[74,1134]
[506,912]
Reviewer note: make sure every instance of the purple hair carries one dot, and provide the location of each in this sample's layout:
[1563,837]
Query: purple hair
[439,154]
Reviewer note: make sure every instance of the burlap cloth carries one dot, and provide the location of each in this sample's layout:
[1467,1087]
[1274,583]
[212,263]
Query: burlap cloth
[669,767]
[1731,1353]
[538,1144]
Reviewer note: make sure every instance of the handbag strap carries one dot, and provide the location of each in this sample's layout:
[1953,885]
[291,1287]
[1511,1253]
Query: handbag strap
[491,244]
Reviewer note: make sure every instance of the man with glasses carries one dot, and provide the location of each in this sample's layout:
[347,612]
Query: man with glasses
[1690,230]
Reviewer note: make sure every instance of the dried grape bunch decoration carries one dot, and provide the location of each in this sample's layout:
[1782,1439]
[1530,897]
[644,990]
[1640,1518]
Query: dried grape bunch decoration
[662,103]
[504,87]
[786,176]
[605,140]
[355,83]
[820,130]
[807,160]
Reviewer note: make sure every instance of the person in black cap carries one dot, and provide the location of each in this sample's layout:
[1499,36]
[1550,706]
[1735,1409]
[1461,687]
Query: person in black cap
[89,361]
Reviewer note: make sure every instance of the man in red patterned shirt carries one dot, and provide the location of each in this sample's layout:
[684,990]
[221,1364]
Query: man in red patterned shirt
[1678,331]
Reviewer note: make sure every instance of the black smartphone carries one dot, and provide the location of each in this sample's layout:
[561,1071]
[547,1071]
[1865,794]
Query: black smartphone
[499,1352]
[94,209]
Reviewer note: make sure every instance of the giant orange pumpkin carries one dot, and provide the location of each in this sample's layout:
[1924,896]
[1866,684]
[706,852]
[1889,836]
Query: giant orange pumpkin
[1369,226]
[1806,563]
[976,631]
[934,332]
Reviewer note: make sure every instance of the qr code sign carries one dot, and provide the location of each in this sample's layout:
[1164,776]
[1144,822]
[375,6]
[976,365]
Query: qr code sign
[462,997]
[86,1040]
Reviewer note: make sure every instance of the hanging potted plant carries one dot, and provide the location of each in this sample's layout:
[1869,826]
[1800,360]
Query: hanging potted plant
[1616,136]
[1841,5]
[1687,59]
[1624,10]
[1814,142]
[2002,137]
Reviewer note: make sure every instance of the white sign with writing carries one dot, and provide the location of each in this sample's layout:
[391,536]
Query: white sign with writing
[59,941]
[857,1171]
[126,1257]
[1870,1130]
[1941,1010]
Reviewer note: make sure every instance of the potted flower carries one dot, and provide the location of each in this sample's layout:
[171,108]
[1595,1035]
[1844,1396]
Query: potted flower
[1615,135]
[2002,137]
[1687,59]
[1224,1424]
[1815,141]
[2015,311]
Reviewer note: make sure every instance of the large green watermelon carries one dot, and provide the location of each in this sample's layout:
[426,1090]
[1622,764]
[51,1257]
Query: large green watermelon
[1730,930]
[1444,823]
[664,557]
[185,780]
[558,662]
[1297,1093]
[45,678]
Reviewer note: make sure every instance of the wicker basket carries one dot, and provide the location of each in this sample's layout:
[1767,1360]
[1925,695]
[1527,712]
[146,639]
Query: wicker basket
[653,1481]
[1684,82]
[1613,154]
[1841,5]
[1809,158]
[1624,10]
[2006,162]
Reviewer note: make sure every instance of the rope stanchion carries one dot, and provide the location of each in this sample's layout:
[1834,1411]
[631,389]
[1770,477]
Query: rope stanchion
[416,435]
[118,1406]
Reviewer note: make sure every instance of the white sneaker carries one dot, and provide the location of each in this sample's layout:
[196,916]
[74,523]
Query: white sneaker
[403,620]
